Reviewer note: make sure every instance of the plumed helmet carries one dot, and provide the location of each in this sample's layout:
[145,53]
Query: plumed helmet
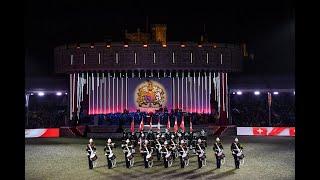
[172,136]
[142,134]
[162,135]
[109,140]
[90,140]
[158,135]
[199,140]
[165,142]
[236,140]
[217,139]
[182,141]
[179,134]
[127,141]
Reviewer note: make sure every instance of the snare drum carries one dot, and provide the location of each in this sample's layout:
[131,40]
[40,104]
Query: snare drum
[93,157]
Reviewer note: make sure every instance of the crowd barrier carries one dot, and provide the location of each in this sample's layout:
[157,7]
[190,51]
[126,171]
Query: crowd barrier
[42,133]
[266,131]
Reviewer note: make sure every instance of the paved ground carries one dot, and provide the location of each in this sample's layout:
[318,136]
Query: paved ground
[65,158]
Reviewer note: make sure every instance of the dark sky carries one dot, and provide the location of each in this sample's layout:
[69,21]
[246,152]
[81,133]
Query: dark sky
[267,27]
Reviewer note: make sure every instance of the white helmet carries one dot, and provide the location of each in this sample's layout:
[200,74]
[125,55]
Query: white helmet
[165,142]
[167,130]
[142,135]
[146,141]
[172,136]
[199,140]
[217,139]
[158,136]
[162,135]
[236,140]
[179,134]
[182,141]
[109,140]
[90,140]
[127,141]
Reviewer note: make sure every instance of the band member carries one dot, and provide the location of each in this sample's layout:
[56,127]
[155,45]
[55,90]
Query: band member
[218,149]
[235,149]
[127,148]
[174,147]
[200,151]
[192,141]
[167,135]
[91,148]
[166,151]
[108,150]
[146,149]
[133,139]
[203,137]
[141,141]
[158,145]
[150,137]
[183,150]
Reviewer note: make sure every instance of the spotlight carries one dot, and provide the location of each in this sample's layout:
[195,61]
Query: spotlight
[182,45]
[145,45]
[239,93]
[164,45]
[275,93]
[66,93]
[31,94]
[40,93]
[126,45]
[58,93]
[256,93]
[294,92]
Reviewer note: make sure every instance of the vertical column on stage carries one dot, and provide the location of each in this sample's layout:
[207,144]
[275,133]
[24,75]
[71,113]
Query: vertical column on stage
[206,92]
[186,84]
[117,94]
[114,74]
[190,90]
[104,93]
[92,86]
[198,97]
[202,79]
[73,91]
[98,87]
[70,97]
[126,91]
[210,92]
[194,92]
[109,107]
[178,99]
[173,91]
[182,97]
[89,93]
[121,109]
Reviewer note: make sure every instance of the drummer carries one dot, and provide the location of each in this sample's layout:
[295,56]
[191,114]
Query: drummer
[90,147]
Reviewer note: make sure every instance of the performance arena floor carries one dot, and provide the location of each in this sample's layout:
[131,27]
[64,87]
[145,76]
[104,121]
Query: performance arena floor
[65,158]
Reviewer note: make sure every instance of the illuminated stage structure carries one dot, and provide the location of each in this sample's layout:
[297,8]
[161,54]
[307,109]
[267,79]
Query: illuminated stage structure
[192,77]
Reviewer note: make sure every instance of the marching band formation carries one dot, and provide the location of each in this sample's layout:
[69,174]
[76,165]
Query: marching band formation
[169,146]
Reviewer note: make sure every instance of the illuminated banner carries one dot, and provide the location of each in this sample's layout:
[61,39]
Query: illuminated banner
[43,133]
[266,131]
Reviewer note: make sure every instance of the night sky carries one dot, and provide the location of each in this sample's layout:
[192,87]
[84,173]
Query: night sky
[267,28]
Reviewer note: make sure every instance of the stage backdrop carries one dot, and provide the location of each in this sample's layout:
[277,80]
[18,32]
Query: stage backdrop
[150,94]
